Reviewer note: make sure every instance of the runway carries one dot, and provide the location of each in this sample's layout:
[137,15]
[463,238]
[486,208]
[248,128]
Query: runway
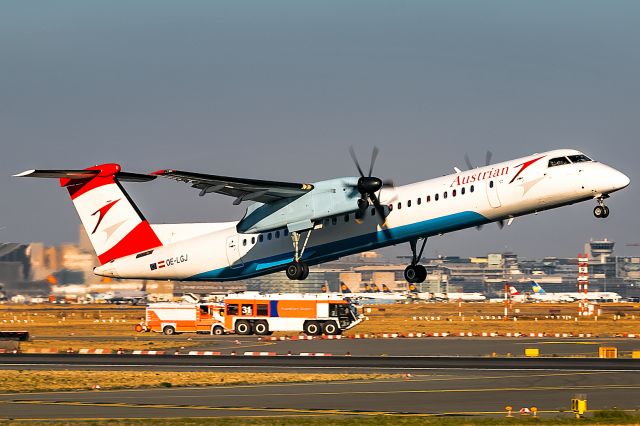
[447,346]
[457,392]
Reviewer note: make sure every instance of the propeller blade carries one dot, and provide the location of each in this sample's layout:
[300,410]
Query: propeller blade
[467,161]
[378,207]
[374,155]
[355,160]
[487,158]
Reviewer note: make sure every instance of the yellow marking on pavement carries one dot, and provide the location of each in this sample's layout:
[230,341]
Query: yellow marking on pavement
[198,407]
[415,391]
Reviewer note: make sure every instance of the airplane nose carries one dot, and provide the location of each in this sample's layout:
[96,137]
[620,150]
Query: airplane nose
[620,180]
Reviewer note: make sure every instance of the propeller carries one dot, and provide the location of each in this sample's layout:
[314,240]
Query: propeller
[369,186]
[487,160]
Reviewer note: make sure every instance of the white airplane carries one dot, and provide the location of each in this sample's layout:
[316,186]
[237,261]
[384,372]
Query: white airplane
[592,296]
[516,296]
[293,225]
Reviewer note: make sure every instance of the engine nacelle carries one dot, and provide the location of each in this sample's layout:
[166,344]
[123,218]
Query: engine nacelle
[328,198]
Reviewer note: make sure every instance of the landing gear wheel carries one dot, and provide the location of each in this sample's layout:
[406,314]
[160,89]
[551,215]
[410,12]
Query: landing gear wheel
[261,328]
[422,273]
[598,211]
[312,328]
[297,271]
[411,274]
[330,328]
[305,271]
[243,327]
[606,212]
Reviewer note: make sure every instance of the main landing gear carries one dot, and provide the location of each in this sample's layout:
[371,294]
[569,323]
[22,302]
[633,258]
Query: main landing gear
[416,273]
[298,270]
[601,211]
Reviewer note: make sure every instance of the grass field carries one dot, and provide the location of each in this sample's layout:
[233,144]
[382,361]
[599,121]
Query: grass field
[49,381]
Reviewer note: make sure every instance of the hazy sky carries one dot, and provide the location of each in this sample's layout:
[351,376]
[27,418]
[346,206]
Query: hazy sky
[279,90]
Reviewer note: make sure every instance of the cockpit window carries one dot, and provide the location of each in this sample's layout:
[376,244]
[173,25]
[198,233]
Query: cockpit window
[558,161]
[579,158]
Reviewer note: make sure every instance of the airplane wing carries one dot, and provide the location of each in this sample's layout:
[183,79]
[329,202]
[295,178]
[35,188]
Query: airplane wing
[263,191]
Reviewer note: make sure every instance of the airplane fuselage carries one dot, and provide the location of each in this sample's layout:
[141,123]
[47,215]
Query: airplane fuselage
[436,206]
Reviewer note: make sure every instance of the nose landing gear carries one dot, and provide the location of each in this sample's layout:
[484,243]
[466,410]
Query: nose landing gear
[416,273]
[601,210]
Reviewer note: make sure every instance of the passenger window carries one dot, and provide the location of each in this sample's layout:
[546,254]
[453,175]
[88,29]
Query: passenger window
[471,188]
[253,240]
[269,236]
[409,203]
[262,309]
[453,193]
[232,309]
[444,194]
[260,238]
[428,198]
[436,197]
[399,206]
[277,234]
[390,207]
[558,161]
[490,184]
[244,241]
[579,158]
[419,201]
[462,191]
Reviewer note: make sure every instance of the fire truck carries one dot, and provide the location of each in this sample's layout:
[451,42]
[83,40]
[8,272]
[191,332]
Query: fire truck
[172,318]
[313,314]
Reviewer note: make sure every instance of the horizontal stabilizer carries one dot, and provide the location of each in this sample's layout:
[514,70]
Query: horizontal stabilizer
[83,174]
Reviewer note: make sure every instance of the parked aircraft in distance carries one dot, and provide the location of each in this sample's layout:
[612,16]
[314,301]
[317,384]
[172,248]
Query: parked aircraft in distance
[293,225]
[446,297]
[593,296]
[370,296]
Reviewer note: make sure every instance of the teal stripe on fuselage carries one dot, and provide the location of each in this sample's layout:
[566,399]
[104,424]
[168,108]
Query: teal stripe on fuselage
[335,249]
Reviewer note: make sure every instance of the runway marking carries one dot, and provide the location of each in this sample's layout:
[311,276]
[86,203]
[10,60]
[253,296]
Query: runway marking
[417,391]
[203,407]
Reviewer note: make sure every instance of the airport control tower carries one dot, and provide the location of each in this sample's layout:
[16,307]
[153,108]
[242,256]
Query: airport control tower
[600,249]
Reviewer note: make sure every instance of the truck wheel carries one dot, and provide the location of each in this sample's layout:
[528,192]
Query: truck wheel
[312,328]
[243,327]
[261,328]
[169,330]
[330,328]
[217,330]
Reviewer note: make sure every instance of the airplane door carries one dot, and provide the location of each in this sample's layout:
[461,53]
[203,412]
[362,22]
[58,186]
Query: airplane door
[233,252]
[492,192]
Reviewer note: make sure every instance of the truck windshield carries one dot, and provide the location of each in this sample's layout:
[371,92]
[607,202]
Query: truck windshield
[338,310]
